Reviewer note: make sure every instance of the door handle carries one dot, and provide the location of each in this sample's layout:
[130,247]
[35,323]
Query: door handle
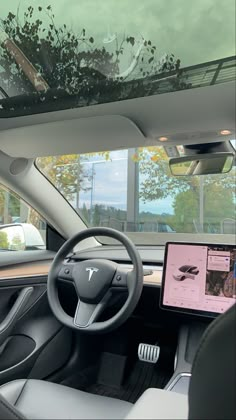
[7,325]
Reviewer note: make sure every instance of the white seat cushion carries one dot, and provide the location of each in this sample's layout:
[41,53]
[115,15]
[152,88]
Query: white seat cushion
[160,404]
[37,399]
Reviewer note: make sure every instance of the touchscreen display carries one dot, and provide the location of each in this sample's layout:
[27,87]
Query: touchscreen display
[199,278]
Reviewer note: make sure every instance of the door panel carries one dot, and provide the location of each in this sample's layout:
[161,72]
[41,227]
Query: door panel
[33,344]
[10,294]
[10,259]
[25,270]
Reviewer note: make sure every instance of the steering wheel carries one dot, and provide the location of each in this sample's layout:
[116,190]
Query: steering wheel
[95,281]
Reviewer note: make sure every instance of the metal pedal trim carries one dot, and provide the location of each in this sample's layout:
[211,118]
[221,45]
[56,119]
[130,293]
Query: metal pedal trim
[148,353]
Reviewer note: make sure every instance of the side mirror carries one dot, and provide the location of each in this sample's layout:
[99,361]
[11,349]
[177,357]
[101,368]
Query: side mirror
[12,238]
[202,164]
[20,237]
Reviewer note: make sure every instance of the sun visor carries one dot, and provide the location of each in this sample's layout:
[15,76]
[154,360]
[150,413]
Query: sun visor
[84,135]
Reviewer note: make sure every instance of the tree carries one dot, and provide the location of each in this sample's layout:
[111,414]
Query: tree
[4,244]
[158,183]
[14,205]
[218,205]
[57,54]
[2,201]
[17,244]
[85,213]
[66,173]
[34,218]
[96,216]
[9,205]
[71,62]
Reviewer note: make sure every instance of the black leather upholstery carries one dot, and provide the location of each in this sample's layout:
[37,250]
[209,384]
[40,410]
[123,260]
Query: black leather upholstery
[212,393]
[44,400]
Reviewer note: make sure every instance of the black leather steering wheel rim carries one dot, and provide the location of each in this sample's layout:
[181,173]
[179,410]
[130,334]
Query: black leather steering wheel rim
[134,282]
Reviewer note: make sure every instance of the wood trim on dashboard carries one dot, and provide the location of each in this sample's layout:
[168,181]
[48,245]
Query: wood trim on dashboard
[37,269]
[154,278]
[25,270]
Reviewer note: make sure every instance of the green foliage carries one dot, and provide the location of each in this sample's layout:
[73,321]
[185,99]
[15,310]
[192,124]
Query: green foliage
[17,244]
[2,200]
[186,209]
[102,215]
[73,62]
[218,204]
[14,205]
[96,216]
[116,218]
[85,213]
[13,208]
[4,244]
[158,183]
[66,173]
[219,200]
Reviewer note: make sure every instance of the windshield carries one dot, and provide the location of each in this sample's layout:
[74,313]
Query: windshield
[57,54]
[133,191]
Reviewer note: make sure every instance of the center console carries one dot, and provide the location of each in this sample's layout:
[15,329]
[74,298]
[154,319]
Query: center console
[188,341]
[199,280]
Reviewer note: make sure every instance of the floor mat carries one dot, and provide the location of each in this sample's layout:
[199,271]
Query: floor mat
[143,376]
[116,370]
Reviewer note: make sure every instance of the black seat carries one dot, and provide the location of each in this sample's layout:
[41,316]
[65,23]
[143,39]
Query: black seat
[211,393]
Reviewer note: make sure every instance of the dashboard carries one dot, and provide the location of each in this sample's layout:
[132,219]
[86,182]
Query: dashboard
[195,278]
[177,322]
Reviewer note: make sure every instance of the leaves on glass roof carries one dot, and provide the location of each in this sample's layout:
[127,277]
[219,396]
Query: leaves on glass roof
[45,66]
[68,60]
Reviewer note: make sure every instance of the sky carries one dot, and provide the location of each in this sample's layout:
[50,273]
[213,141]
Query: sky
[109,186]
[194,31]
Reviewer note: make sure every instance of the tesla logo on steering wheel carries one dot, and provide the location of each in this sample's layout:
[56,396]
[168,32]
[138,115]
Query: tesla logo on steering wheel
[91,270]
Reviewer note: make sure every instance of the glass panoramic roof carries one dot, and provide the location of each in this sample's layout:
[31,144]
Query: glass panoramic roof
[57,54]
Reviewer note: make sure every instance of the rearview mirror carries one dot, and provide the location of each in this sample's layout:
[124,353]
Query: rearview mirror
[202,164]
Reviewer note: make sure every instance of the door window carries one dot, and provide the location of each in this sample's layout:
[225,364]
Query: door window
[21,227]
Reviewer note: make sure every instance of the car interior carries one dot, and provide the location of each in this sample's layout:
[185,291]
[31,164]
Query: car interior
[117,209]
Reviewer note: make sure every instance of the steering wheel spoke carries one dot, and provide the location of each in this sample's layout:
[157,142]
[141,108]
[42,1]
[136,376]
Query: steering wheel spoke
[120,279]
[66,272]
[87,313]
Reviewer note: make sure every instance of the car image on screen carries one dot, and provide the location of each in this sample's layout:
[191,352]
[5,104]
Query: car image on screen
[186,272]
